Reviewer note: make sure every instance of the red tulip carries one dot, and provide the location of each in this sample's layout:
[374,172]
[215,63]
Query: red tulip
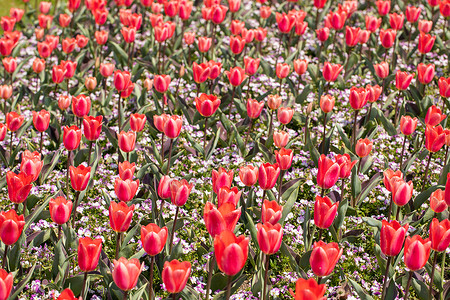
[271,212]
[67,294]
[226,195]
[16,13]
[106,69]
[426,42]
[434,138]
[19,186]
[328,172]
[284,158]
[60,209]
[363,147]
[207,104]
[322,34]
[7,45]
[137,122]
[161,83]
[352,36]
[345,165]
[372,23]
[81,105]
[384,6]
[358,97]
[269,237]
[437,201]
[41,120]
[3,130]
[89,253]
[444,87]
[382,69]
[218,13]
[396,21]
[159,121]
[265,12]
[285,115]
[122,80]
[231,252]
[300,66]
[237,44]
[126,272]
[221,178]
[324,258]
[324,212]
[434,116]
[6,91]
[280,138]
[389,178]
[373,92]
[425,26]
[79,177]
[417,252]
[175,275]
[337,19]
[219,219]
[408,125]
[6,282]
[101,37]
[392,236]
[153,238]
[308,289]
[179,191]
[285,22]
[71,137]
[215,68]
[172,127]
[248,175]
[254,108]
[251,65]
[425,73]
[58,73]
[236,76]
[412,14]
[440,235]
[201,72]
[120,216]
[274,101]
[444,8]
[129,34]
[125,189]
[402,80]
[14,121]
[38,65]
[127,141]
[64,20]
[331,71]
[64,102]
[204,43]
[387,37]
[92,127]
[11,226]
[283,70]
[31,164]
[268,175]
[401,191]
[10,64]
[68,45]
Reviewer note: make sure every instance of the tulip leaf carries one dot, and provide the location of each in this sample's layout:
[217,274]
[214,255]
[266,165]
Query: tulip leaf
[359,290]
[131,233]
[58,259]
[118,50]
[138,294]
[368,186]
[289,253]
[48,168]
[388,126]
[372,222]
[218,282]
[290,201]
[237,284]
[421,288]
[301,97]
[356,183]
[213,144]
[18,288]
[341,213]
[391,291]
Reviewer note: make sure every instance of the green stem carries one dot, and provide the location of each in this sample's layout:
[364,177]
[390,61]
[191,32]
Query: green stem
[5,257]
[173,229]
[150,280]
[433,268]
[229,287]
[386,274]
[408,285]
[266,273]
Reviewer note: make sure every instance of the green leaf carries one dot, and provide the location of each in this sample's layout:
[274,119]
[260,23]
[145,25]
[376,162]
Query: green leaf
[425,195]
[359,290]
[368,187]
[138,294]
[421,289]
[21,285]
[287,207]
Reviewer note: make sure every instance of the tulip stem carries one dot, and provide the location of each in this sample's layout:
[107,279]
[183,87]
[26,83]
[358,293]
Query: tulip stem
[77,196]
[433,268]
[90,152]
[359,166]
[442,272]
[212,260]
[408,285]
[266,273]
[426,170]
[150,280]
[204,136]
[354,128]
[41,142]
[403,150]
[10,144]
[59,232]
[269,133]
[324,130]
[399,208]
[83,288]
[386,274]
[120,113]
[390,211]
[5,257]
[170,156]
[319,238]
[446,155]
[67,174]
[173,229]
[229,287]
[125,295]
[117,245]
[280,185]
[174,296]
[162,146]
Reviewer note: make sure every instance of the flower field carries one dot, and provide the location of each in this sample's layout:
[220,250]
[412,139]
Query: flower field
[169,149]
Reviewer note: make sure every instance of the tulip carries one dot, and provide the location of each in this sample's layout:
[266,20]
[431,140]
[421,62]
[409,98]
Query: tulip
[337,19]
[373,93]
[175,275]
[215,68]
[125,189]
[444,8]
[89,253]
[58,73]
[389,178]
[308,289]
[201,72]
[358,98]
[327,103]
[237,44]
[324,258]
[122,80]
[328,172]
[271,212]
[387,37]
[11,226]
[345,165]
[434,138]
[236,76]
[434,116]
[322,34]
[408,125]
[382,69]
[159,121]
[68,45]
[19,186]
[41,120]
[204,43]
[265,12]
[396,21]
[31,164]
[251,65]
[172,127]
[383,6]
[126,273]
[412,14]
[64,102]
[425,73]
[401,192]
[425,26]
[71,137]
[67,294]
[220,219]
[352,36]
[437,201]
[254,108]
[6,282]
[207,104]
[363,147]
[440,235]
[120,216]
[402,80]
[79,177]
[90,83]
[127,141]
[60,209]
[324,212]
[285,115]
[274,101]
[268,175]
[231,252]
[284,158]
[282,70]
[82,41]
[14,121]
[10,64]
[280,138]
[153,238]
[226,195]
[269,237]
[81,105]
[247,174]
[331,71]
[106,69]
[38,65]
[92,127]
[392,236]
[285,22]
[179,191]
[416,252]
[218,13]
[101,37]
[372,23]
[426,42]
[6,91]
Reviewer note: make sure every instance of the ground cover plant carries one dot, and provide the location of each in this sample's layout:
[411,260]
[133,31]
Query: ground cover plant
[169,149]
